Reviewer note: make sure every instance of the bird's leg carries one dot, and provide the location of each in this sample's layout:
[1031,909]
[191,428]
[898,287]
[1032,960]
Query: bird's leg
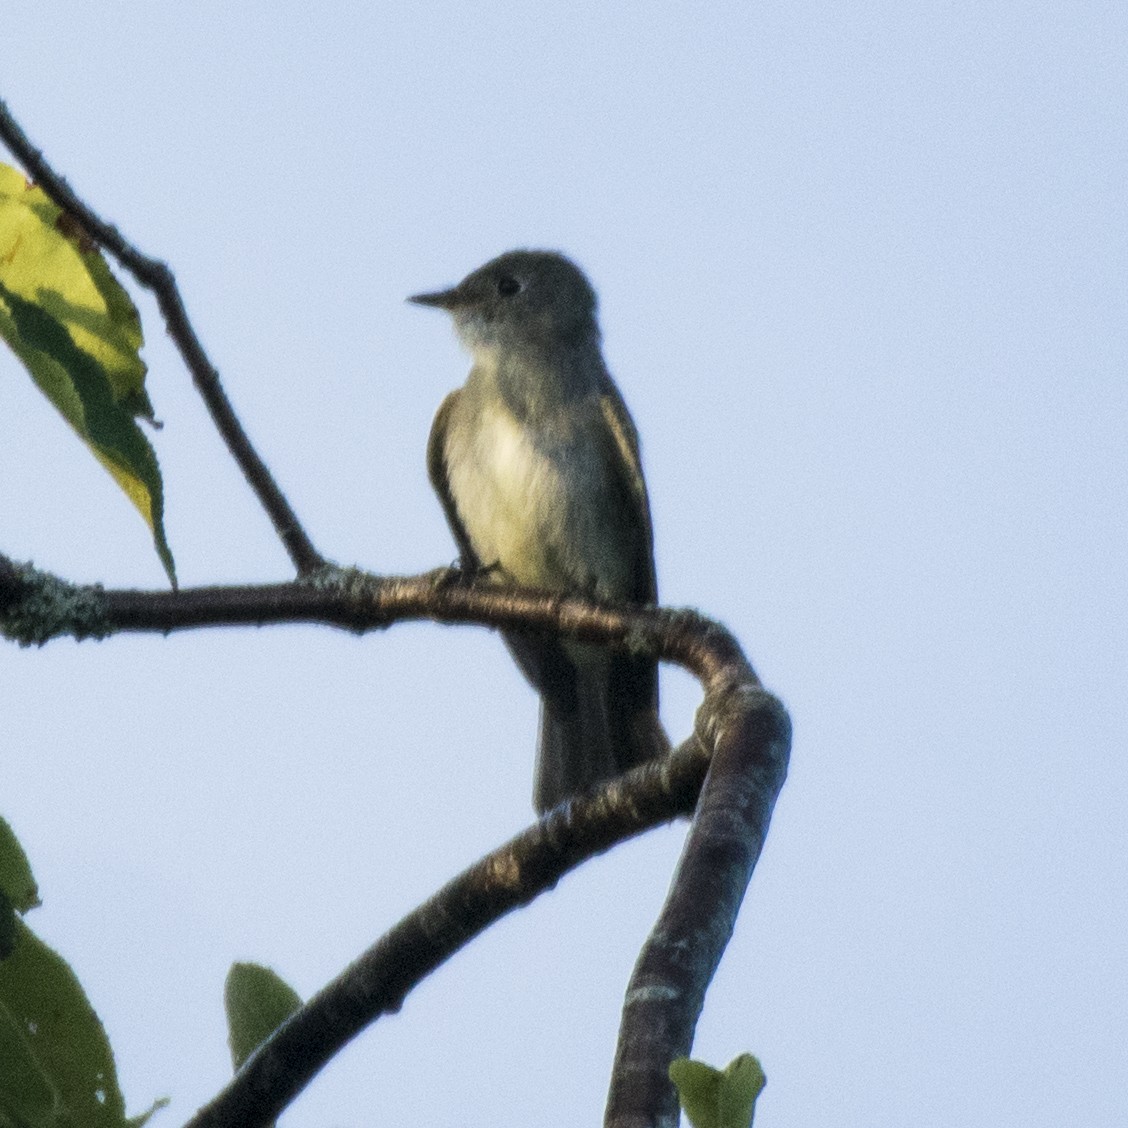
[463,572]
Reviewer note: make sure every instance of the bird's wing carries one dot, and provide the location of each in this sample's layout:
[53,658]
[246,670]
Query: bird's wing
[437,472]
[626,464]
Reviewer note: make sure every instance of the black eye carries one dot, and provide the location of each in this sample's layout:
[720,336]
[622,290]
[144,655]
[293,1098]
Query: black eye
[507,286]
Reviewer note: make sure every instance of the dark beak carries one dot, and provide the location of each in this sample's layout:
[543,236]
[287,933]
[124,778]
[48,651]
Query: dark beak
[443,299]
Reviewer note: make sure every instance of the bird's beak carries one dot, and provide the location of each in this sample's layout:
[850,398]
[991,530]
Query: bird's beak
[443,299]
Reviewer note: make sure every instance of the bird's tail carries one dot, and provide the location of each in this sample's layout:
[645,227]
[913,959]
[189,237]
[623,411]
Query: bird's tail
[605,728]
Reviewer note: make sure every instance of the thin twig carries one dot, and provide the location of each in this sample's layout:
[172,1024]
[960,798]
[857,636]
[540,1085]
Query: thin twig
[155,275]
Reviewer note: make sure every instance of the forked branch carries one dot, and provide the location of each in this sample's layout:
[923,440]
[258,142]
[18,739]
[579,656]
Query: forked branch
[727,774]
[742,740]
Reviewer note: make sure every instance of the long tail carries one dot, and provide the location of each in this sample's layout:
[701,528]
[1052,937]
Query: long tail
[607,724]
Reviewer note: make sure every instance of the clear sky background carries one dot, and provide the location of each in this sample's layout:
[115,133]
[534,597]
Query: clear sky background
[862,273]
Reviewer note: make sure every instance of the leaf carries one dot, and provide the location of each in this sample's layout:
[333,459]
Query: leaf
[743,1082]
[697,1085]
[26,1096]
[257,1001]
[16,879]
[42,1001]
[715,1099]
[142,1118]
[56,1066]
[79,335]
[7,927]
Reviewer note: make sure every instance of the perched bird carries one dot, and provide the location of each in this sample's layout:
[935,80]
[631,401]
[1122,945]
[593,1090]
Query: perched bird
[536,462]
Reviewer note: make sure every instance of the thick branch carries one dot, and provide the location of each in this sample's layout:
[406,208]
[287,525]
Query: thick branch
[667,989]
[513,875]
[752,733]
[155,276]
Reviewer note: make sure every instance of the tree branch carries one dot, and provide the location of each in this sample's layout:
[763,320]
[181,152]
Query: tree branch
[511,876]
[155,276]
[751,739]
[742,732]
[36,606]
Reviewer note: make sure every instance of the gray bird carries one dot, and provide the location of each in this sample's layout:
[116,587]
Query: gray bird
[536,462]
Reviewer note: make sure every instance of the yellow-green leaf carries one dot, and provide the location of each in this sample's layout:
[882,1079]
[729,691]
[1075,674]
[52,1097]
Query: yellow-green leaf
[257,1001]
[77,332]
[712,1098]
[743,1082]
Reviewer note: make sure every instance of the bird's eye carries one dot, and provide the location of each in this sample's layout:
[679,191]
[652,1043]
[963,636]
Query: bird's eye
[507,286]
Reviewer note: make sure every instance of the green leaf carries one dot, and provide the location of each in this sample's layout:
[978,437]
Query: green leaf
[697,1085]
[7,927]
[78,333]
[16,879]
[257,1002]
[715,1099]
[56,1067]
[26,1096]
[743,1082]
[47,1008]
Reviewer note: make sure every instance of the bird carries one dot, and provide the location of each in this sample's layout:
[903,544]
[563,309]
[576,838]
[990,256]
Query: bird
[536,463]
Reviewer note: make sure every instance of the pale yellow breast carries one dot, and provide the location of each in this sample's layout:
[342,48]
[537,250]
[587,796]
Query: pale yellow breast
[509,492]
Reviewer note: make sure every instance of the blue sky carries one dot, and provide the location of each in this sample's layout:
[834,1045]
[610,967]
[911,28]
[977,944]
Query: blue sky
[862,276]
